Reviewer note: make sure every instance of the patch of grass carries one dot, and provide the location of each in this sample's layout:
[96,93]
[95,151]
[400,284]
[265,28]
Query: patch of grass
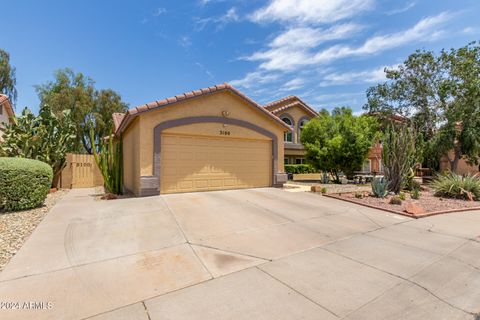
[402,196]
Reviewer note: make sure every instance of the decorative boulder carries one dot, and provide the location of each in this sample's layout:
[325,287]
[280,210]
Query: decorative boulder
[413,209]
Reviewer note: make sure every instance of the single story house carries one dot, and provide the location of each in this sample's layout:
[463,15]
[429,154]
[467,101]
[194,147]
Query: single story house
[6,113]
[214,138]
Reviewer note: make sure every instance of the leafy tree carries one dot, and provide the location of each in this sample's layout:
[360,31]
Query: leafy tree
[45,137]
[339,142]
[441,94]
[460,130]
[89,107]
[8,79]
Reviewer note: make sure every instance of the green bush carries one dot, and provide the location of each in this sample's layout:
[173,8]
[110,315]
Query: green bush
[379,187]
[299,168]
[415,194]
[24,183]
[452,185]
[402,196]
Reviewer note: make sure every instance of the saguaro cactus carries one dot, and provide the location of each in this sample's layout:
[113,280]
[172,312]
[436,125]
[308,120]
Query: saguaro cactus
[109,159]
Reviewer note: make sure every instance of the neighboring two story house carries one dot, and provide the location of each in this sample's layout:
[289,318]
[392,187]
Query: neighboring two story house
[296,113]
[6,113]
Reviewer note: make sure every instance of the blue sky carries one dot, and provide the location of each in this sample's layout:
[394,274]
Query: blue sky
[325,51]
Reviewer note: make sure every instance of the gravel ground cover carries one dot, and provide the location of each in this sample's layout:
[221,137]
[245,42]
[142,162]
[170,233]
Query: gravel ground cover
[331,187]
[16,227]
[427,201]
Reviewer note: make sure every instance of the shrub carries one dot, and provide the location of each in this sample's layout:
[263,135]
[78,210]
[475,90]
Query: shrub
[299,168]
[24,183]
[451,185]
[415,194]
[379,187]
[358,195]
[395,200]
[402,196]
[323,190]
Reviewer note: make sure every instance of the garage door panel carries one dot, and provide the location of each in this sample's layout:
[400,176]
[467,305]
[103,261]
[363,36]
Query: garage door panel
[192,163]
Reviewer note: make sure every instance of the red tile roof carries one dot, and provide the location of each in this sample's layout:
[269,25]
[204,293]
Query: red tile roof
[132,113]
[8,106]
[117,120]
[296,101]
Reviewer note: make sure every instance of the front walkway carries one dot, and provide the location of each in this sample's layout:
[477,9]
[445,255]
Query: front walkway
[245,254]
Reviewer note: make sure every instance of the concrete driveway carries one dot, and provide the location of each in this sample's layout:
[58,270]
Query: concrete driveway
[244,254]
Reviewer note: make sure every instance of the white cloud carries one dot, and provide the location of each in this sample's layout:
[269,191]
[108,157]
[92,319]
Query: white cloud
[291,55]
[252,79]
[159,11]
[310,11]
[230,16]
[294,84]
[207,72]
[185,41]
[207,2]
[403,9]
[470,30]
[366,76]
[292,47]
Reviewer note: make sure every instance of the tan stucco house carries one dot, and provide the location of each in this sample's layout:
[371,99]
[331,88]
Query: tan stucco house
[210,139]
[6,113]
[295,113]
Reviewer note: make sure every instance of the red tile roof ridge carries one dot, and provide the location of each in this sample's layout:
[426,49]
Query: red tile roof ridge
[189,95]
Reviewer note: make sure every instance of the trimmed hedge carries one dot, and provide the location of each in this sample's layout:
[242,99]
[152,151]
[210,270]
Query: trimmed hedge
[24,183]
[299,168]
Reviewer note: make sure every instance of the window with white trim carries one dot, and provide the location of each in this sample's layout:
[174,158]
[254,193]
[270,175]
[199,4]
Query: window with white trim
[287,136]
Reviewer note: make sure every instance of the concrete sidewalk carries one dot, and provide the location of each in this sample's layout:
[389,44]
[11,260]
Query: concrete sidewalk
[243,254]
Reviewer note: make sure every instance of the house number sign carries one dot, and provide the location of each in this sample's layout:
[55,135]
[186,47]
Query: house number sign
[224,132]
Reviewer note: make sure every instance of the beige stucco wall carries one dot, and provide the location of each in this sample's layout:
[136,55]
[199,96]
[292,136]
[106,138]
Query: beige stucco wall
[462,167]
[138,141]
[131,157]
[297,114]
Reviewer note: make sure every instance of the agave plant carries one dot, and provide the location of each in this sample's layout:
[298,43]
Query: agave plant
[109,159]
[452,185]
[380,187]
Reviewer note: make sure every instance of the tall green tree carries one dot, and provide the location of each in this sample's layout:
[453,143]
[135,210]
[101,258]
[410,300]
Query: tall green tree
[90,108]
[8,78]
[440,93]
[339,142]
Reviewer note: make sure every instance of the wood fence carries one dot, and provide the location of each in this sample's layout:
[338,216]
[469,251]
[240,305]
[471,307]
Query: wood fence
[81,171]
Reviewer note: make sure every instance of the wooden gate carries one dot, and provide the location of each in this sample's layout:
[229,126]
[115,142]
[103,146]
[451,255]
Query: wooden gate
[81,171]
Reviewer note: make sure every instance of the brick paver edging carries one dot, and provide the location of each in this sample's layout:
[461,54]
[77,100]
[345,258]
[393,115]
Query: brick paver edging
[423,215]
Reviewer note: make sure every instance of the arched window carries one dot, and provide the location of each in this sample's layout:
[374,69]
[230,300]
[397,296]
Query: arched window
[287,136]
[301,124]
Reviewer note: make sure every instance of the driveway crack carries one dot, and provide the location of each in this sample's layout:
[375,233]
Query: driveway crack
[298,292]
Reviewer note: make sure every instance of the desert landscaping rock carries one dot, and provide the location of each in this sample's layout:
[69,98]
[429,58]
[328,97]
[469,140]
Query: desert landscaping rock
[414,209]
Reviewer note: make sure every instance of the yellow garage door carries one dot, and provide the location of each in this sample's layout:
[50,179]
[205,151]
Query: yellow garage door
[196,163]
